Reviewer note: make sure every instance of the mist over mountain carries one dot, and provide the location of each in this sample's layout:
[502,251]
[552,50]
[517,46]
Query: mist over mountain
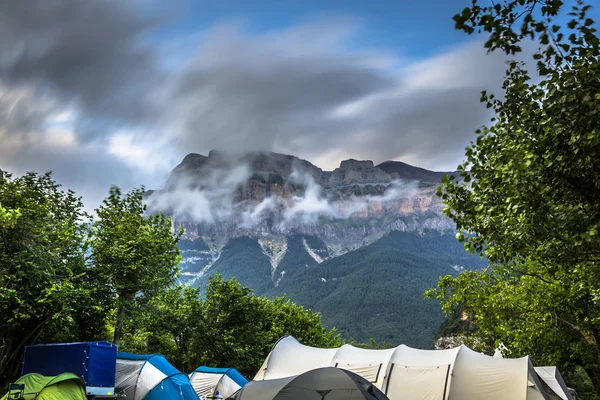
[281,225]
[259,194]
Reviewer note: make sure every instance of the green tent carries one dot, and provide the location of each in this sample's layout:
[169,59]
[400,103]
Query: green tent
[65,386]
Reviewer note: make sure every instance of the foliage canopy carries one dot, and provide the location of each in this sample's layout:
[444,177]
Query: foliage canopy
[529,197]
[137,255]
[45,285]
[229,326]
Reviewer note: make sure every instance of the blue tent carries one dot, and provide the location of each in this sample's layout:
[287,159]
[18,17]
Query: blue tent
[151,377]
[208,381]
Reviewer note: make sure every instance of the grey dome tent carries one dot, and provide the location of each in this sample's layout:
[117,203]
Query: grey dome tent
[327,383]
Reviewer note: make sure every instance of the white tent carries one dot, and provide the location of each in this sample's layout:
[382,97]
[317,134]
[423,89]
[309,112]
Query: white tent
[551,380]
[551,377]
[406,373]
[209,382]
[150,377]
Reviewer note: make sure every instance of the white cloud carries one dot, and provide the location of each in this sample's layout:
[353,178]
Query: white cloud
[141,154]
[60,138]
[206,198]
[311,205]
[63,117]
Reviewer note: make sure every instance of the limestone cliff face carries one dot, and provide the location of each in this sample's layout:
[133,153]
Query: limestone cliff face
[225,195]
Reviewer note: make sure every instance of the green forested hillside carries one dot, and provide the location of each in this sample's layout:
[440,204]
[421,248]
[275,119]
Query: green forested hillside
[296,258]
[373,292]
[317,245]
[242,258]
[377,291]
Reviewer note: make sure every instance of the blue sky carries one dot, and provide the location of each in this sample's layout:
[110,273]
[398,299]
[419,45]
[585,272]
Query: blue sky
[118,92]
[417,28]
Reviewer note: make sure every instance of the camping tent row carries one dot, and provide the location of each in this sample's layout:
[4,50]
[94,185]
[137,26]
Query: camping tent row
[152,377]
[406,373]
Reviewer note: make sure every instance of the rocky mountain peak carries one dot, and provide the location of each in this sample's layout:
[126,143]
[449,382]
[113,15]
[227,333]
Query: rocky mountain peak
[217,154]
[265,194]
[409,172]
[192,161]
[356,164]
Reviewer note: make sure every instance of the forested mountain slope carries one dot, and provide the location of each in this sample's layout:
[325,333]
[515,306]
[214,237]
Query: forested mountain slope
[377,291]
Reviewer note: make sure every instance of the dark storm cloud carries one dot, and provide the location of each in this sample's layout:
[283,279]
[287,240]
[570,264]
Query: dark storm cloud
[21,111]
[304,90]
[87,54]
[258,93]
[84,58]
[88,170]
[265,92]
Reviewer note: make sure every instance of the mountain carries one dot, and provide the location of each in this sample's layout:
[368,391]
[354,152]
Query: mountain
[270,196]
[242,258]
[360,243]
[226,195]
[409,172]
[374,292]
[377,291]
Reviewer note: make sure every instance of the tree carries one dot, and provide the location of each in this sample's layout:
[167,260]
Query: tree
[8,217]
[230,326]
[168,324]
[44,281]
[240,328]
[529,197]
[136,254]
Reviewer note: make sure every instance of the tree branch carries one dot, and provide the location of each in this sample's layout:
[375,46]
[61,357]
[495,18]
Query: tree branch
[587,336]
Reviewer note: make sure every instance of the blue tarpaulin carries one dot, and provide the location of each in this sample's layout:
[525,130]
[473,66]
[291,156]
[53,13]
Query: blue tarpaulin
[94,362]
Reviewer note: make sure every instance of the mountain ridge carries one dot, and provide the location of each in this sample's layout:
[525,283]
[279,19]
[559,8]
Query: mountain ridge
[350,243]
[195,161]
[273,196]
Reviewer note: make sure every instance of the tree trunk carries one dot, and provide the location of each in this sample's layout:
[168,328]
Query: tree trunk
[594,374]
[119,326]
[12,353]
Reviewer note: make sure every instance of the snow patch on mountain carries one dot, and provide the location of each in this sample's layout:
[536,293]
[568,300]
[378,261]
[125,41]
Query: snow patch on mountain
[279,278]
[275,250]
[311,252]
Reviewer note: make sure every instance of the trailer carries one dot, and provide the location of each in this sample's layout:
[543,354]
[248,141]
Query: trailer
[94,362]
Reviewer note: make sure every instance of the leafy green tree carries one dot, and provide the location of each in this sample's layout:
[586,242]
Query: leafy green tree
[8,217]
[230,326]
[240,329]
[45,284]
[529,197]
[136,254]
[167,324]
[234,326]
